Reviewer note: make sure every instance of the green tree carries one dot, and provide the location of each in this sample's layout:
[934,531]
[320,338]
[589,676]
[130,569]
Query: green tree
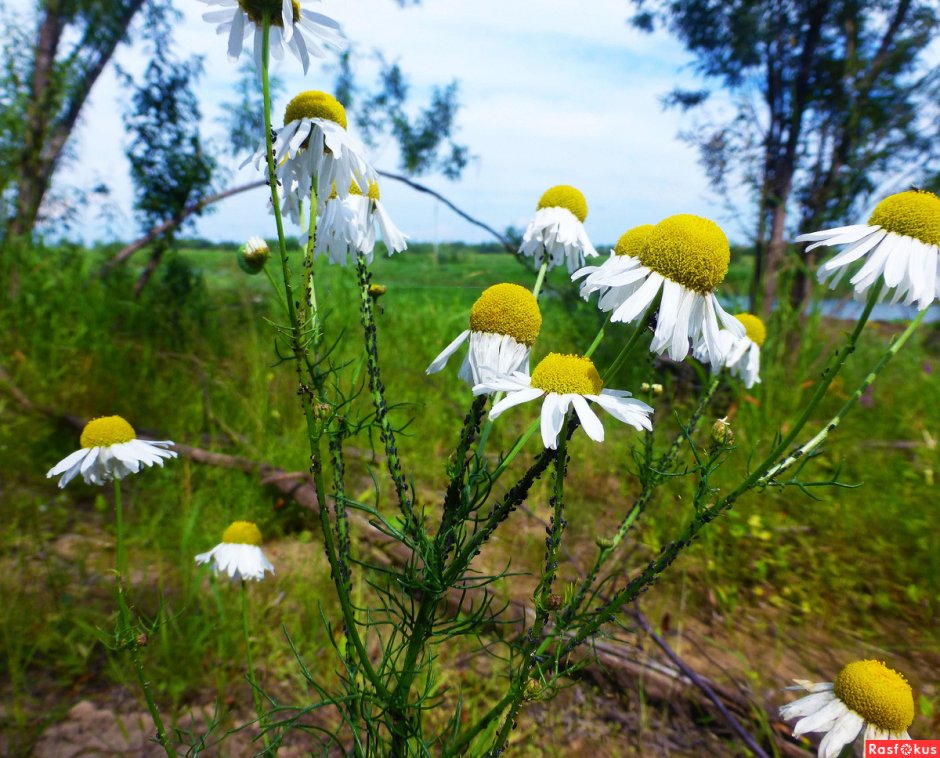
[73,41]
[832,102]
[169,167]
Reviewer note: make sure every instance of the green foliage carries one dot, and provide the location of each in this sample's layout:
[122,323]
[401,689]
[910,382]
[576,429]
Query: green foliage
[169,166]
[426,141]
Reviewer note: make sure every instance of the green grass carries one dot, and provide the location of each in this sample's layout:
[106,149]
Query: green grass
[194,360]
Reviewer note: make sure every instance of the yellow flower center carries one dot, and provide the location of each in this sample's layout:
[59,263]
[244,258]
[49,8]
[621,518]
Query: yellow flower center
[107,431]
[915,213]
[878,694]
[633,241]
[507,309]
[256,9]
[353,188]
[754,327]
[566,374]
[242,533]
[374,193]
[315,104]
[565,196]
[690,250]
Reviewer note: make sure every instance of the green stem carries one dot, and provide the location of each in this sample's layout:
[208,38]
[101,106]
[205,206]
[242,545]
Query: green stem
[467,737]
[649,488]
[125,624]
[834,422]
[313,431]
[540,279]
[829,373]
[597,339]
[256,695]
[632,342]
[313,320]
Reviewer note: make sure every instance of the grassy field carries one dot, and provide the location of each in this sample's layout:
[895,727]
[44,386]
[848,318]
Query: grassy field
[783,586]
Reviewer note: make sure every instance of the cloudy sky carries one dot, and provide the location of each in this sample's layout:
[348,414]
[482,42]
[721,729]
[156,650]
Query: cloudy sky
[551,92]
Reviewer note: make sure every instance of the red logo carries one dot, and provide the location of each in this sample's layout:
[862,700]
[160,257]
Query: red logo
[902,748]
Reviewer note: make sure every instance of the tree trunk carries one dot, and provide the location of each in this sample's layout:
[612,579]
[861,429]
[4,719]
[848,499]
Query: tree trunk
[776,253]
[51,115]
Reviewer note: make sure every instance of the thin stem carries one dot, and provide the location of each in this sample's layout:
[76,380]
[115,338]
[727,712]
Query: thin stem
[125,624]
[834,422]
[540,279]
[259,710]
[377,388]
[314,433]
[829,373]
[600,336]
[649,488]
[310,289]
[632,342]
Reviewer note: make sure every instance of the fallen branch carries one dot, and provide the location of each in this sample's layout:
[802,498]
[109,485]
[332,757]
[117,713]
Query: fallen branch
[171,224]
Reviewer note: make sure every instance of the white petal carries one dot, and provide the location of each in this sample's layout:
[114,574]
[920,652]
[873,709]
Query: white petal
[554,408]
[843,732]
[515,398]
[438,363]
[589,420]
[640,300]
[822,720]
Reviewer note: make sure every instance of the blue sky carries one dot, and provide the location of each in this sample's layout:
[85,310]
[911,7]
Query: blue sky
[552,91]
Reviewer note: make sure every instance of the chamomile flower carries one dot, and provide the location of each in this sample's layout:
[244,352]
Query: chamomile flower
[866,697]
[556,233]
[313,145]
[900,245]
[293,26]
[563,381]
[685,258]
[350,224]
[239,553]
[742,356]
[504,322]
[110,450]
[253,255]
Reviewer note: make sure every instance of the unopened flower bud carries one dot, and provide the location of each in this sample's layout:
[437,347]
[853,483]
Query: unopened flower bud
[377,290]
[142,640]
[532,689]
[554,602]
[657,389]
[253,255]
[722,435]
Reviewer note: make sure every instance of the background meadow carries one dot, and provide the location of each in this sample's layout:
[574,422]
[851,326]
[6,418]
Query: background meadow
[784,585]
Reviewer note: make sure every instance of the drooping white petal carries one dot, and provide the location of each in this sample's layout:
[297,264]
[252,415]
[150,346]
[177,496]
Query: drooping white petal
[843,732]
[514,398]
[554,408]
[438,363]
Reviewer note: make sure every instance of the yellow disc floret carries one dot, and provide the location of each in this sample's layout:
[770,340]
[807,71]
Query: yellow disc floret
[566,374]
[690,250]
[256,10]
[754,327]
[107,431]
[915,213]
[507,309]
[567,197]
[878,694]
[633,241]
[242,533]
[315,104]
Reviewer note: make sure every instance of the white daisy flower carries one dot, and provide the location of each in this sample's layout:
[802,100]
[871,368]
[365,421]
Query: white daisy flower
[303,32]
[504,322]
[351,224]
[900,245]
[742,356]
[110,450]
[313,145]
[556,234]
[239,553]
[866,697]
[685,258]
[565,381]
